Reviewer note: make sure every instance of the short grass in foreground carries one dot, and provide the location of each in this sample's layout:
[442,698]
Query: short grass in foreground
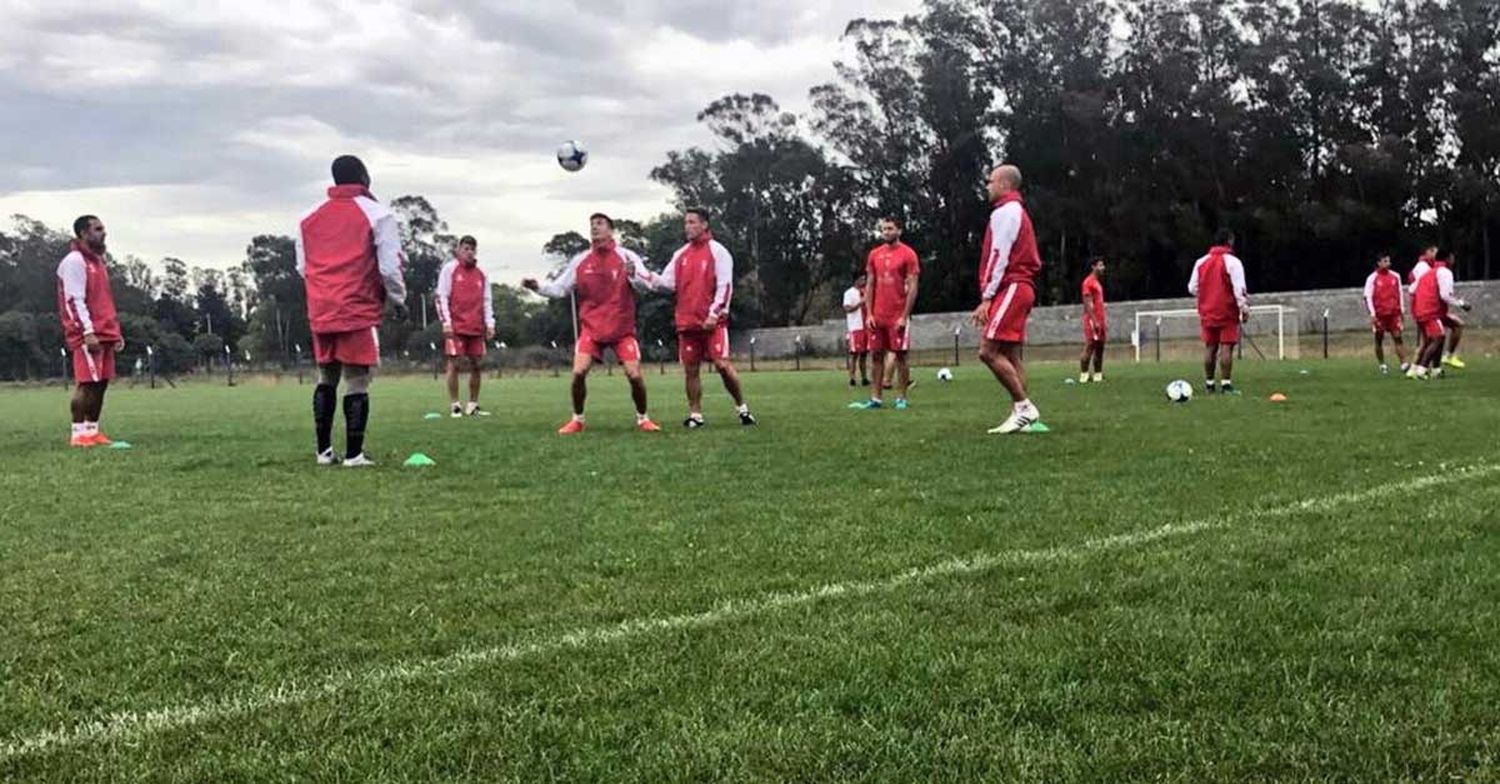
[318,619]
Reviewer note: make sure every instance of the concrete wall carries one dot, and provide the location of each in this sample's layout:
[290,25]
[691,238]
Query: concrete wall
[1061,324]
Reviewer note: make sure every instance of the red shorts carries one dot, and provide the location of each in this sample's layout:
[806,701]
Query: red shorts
[1226,335]
[464,346]
[1390,324]
[627,349]
[859,341]
[884,338]
[360,347]
[1094,333]
[92,366]
[1009,312]
[700,344]
[1432,328]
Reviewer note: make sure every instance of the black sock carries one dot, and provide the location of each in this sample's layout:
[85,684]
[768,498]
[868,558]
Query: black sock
[356,416]
[325,400]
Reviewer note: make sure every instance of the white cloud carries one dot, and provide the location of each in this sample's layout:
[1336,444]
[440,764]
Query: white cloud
[193,126]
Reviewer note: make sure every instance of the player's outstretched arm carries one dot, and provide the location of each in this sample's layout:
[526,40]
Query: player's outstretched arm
[560,286]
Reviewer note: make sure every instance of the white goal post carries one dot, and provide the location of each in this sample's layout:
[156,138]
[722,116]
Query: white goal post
[1272,333]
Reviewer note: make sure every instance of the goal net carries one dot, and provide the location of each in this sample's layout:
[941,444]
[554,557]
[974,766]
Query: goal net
[1172,335]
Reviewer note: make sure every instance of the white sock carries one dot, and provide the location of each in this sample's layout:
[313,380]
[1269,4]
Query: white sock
[639,418]
[1024,406]
[698,417]
[578,418]
[90,427]
[80,428]
[1208,383]
[473,406]
[744,408]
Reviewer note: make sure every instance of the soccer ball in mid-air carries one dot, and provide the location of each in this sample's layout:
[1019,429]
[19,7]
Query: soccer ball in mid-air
[572,156]
[945,375]
[1179,391]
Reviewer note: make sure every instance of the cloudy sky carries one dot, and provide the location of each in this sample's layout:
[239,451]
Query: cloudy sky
[192,126]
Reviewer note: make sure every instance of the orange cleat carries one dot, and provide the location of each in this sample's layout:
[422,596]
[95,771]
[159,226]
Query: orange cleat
[647,426]
[99,439]
[82,441]
[573,427]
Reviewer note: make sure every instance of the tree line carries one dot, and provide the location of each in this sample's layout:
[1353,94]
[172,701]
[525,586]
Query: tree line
[1322,131]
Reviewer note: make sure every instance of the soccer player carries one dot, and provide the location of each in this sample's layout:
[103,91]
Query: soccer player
[602,277]
[1387,308]
[1218,281]
[702,274]
[349,255]
[91,330]
[857,337]
[1095,325]
[465,307]
[892,270]
[1007,292]
[1430,306]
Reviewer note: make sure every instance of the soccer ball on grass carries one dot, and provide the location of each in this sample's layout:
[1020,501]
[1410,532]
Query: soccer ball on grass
[1179,391]
[945,375]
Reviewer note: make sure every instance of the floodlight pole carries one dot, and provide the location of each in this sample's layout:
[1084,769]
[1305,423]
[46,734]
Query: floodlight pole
[433,346]
[151,365]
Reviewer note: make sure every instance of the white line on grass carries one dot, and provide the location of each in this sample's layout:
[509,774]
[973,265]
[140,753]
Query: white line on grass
[131,725]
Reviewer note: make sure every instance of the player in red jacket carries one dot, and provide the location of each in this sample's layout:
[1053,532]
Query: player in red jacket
[1387,308]
[702,274]
[91,330]
[1095,325]
[1431,305]
[1218,281]
[349,255]
[602,277]
[466,308]
[1007,292]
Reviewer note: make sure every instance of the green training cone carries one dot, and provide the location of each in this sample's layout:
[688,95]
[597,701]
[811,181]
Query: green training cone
[120,445]
[419,460]
[432,415]
[1037,427]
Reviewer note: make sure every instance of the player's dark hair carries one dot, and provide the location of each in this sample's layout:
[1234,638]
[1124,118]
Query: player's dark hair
[1224,237]
[1444,254]
[601,216]
[701,212]
[895,220]
[468,239]
[82,224]
[349,170]
[1095,261]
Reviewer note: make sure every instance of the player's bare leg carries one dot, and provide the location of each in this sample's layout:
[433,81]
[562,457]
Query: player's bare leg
[1226,367]
[1455,334]
[1084,361]
[852,361]
[692,380]
[1380,349]
[1004,361]
[1400,349]
[877,362]
[453,406]
[582,363]
[731,378]
[638,394]
[903,377]
[1099,360]
[864,368]
[1210,364]
[476,378]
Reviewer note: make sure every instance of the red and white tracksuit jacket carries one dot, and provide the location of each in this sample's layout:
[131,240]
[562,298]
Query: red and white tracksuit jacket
[349,254]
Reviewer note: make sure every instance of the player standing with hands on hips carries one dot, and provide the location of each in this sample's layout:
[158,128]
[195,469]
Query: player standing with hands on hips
[467,310]
[91,330]
[349,255]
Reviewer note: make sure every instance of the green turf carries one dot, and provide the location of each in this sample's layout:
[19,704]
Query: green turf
[213,565]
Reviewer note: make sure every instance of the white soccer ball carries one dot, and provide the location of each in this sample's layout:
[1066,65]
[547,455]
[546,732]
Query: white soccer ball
[1179,391]
[945,375]
[572,156]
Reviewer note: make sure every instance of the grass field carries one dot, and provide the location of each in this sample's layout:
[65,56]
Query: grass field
[1231,590]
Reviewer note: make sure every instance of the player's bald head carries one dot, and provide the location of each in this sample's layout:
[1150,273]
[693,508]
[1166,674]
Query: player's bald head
[1010,174]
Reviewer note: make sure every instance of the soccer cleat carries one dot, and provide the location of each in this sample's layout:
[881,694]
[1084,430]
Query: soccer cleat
[97,438]
[1210,387]
[747,419]
[647,426]
[864,382]
[693,422]
[1098,378]
[1384,371]
[1018,421]
[455,411]
[81,440]
[1083,378]
[358,461]
[1227,388]
[328,457]
[870,404]
[901,404]
[573,427]
[475,410]
[1453,361]
[853,383]
[1436,372]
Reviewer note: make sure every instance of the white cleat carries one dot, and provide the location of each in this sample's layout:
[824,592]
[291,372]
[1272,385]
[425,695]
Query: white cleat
[358,461]
[475,410]
[1018,421]
[455,411]
[328,458]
